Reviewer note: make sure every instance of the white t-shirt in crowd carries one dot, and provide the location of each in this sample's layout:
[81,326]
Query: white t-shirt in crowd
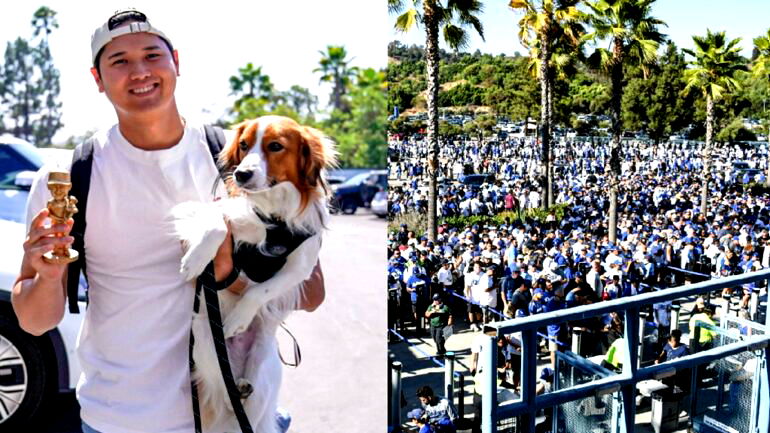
[134,341]
[480,293]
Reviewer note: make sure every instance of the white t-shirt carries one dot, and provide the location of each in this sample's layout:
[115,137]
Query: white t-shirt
[134,341]
[480,293]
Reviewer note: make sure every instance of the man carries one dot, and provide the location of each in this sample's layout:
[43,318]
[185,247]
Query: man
[474,311]
[417,287]
[134,344]
[439,411]
[417,416]
[706,338]
[594,279]
[444,276]
[440,317]
[485,291]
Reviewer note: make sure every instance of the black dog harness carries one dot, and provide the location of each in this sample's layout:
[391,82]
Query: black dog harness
[259,265]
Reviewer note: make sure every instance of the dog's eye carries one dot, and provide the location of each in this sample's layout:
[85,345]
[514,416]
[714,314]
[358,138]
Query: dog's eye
[243,145]
[274,146]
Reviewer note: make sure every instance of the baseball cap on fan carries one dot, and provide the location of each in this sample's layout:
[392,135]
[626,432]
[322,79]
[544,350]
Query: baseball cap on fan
[122,22]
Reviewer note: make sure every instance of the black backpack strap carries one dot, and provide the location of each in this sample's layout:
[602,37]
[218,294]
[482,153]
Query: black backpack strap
[80,175]
[215,138]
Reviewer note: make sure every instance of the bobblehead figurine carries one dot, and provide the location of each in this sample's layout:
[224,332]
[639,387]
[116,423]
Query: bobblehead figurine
[60,210]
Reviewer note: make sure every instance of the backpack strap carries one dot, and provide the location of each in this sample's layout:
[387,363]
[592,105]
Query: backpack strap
[215,138]
[80,175]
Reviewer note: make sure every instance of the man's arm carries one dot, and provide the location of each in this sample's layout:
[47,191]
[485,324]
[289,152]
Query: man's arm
[313,289]
[38,295]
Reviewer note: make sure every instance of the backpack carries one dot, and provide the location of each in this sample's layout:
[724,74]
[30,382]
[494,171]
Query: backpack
[80,175]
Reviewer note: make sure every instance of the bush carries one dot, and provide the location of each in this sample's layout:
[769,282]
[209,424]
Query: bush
[419,223]
[414,221]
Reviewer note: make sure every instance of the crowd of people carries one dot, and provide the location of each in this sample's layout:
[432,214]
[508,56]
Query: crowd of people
[516,165]
[519,268]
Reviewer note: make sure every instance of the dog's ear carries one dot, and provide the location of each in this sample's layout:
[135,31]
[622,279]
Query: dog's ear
[229,158]
[316,153]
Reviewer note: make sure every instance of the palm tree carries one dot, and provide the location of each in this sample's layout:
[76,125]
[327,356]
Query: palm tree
[335,69]
[714,73]
[633,38]
[761,69]
[44,21]
[251,83]
[452,16]
[546,26]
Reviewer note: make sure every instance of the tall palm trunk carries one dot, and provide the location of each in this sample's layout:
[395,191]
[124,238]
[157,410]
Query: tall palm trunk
[614,161]
[545,145]
[707,154]
[549,115]
[767,175]
[431,64]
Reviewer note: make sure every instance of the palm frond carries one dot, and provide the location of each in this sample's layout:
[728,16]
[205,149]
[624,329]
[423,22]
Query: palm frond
[407,20]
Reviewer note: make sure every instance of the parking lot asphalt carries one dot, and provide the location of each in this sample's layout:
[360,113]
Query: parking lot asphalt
[341,380]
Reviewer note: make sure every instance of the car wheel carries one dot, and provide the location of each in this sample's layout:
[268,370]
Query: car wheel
[23,376]
[349,208]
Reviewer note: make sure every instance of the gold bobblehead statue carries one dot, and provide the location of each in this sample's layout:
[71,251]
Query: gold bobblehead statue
[60,210]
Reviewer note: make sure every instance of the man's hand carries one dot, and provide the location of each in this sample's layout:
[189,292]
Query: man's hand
[313,290]
[38,295]
[41,240]
[223,260]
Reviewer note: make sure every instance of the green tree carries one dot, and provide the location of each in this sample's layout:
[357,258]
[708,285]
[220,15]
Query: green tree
[251,83]
[335,68]
[544,23]
[633,38]
[655,104]
[29,84]
[715,73]
[453,16]
[300,100]
[761,69]
[360,132]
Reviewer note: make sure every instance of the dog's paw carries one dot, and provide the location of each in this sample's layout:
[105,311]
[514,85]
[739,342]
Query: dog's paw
[244,387]
[238,321]
[194,262]
[200,254]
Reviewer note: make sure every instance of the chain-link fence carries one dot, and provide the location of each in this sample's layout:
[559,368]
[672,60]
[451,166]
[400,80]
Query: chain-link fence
[593,414]
[724,389]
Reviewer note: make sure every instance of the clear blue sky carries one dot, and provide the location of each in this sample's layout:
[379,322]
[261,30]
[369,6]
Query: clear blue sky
[739,18]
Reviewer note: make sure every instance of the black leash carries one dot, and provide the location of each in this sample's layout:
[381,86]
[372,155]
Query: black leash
[210,286]
[280,242]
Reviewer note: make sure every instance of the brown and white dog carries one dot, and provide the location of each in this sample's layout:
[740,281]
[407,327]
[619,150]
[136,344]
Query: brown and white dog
[278,169]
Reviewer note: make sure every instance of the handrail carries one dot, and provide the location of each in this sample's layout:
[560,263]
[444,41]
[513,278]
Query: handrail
[585,311]
[504,316]
[631,374]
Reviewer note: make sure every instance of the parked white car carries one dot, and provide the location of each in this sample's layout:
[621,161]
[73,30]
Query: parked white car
[379,204]
[32,369]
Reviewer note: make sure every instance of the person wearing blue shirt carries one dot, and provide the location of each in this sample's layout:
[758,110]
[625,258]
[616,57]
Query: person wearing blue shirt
[557,332]
[417,286]
[417,416]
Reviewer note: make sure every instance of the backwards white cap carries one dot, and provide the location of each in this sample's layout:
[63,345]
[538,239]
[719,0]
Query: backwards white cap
[137,24]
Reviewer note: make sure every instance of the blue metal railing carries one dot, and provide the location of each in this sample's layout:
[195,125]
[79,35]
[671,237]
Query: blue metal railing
[626,381]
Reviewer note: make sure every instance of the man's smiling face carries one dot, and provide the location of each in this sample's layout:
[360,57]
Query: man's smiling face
[138,73]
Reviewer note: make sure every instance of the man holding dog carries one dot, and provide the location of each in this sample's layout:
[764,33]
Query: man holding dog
[134,343]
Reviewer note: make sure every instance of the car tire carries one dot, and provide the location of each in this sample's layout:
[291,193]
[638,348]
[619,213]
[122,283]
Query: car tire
[349,208]
[22,366]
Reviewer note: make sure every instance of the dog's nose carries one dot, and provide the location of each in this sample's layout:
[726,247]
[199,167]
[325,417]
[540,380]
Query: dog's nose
[242,176]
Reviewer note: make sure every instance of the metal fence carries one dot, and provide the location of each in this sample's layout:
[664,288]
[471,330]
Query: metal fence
[525,409]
